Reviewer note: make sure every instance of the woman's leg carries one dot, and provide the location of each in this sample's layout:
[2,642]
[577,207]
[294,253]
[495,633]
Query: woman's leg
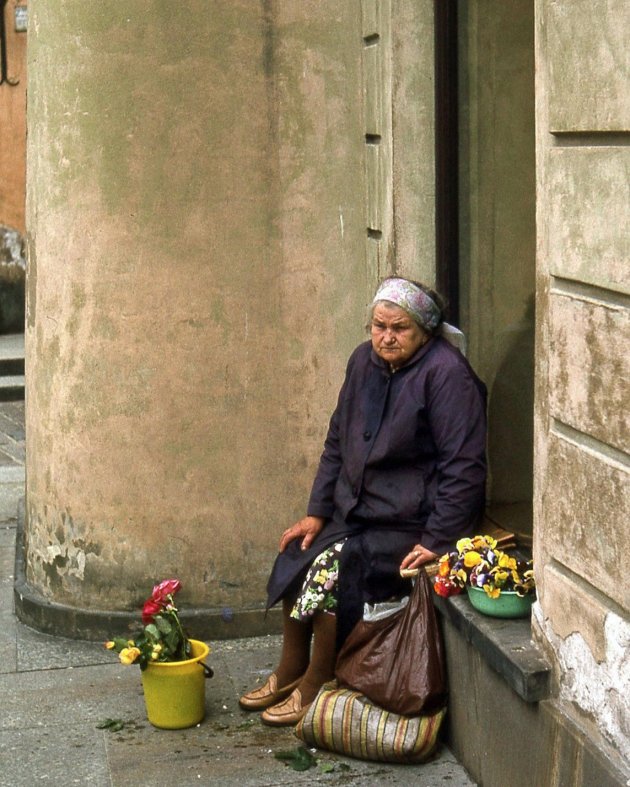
[320,669]
[294,658]
[296,646]
[311,612]
[323,657]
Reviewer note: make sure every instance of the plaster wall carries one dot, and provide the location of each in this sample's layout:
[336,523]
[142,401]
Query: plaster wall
[13,124]
[196,283]
[399,125]
[582,467]
[497,231]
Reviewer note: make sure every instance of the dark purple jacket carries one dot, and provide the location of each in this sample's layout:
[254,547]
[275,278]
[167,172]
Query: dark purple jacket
[403,463]
[406,448]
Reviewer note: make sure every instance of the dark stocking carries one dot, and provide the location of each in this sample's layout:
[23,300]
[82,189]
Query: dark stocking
[322,666]
[296,645]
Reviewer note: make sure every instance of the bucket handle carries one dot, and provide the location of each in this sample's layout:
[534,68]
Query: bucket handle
[207,671]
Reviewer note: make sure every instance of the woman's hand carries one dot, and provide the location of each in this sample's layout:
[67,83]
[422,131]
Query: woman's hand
[418,557]
[306,529]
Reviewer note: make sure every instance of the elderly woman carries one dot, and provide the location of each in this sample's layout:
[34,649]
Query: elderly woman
[401,478]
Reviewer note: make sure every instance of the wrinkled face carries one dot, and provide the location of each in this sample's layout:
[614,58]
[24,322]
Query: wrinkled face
[395,335]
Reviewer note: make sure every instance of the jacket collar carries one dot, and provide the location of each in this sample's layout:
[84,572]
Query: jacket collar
[415,358]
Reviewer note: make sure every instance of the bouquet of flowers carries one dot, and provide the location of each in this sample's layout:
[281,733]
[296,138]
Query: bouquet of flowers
[478,563]
[162,638]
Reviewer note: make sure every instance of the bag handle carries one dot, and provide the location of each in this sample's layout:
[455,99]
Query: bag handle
[207,671]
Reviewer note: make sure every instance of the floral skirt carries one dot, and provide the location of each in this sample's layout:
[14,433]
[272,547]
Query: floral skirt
[319,589]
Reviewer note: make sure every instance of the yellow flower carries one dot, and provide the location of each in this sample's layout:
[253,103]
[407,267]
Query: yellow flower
[492,592]
[471,559]
[129,655]
[463,543]
[110,645]
[444,568]
[461,575]
[484,542]
[505,561]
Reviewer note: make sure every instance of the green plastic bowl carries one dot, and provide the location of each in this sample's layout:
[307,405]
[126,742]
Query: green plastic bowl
[508,605]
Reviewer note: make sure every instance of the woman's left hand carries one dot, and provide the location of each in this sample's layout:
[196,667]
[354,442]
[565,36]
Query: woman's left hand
[418,557]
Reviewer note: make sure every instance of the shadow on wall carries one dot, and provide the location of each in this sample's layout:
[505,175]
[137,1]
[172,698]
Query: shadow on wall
[511,415]
[12,278]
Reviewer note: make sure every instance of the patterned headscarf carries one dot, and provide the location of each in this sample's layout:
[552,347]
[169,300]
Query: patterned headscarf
[412,299]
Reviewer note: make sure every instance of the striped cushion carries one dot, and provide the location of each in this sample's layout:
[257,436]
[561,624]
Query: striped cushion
[346,722]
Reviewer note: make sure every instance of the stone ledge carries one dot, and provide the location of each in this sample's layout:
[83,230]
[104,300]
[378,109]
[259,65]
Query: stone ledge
[60,620]
[506,645]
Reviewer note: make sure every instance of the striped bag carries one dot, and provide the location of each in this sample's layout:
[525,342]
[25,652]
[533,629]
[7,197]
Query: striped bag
[346,722]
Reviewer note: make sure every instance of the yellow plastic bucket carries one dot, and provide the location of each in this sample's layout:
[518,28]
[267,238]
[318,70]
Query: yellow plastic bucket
[175,691]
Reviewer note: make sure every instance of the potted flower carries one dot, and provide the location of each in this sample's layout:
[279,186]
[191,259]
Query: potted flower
[497,583]
[171,663]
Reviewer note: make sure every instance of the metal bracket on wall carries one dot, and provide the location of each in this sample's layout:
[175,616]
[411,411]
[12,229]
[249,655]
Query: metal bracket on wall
[4,74]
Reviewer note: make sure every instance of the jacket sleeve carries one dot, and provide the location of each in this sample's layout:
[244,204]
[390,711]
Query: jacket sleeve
[321,501]
[456,409]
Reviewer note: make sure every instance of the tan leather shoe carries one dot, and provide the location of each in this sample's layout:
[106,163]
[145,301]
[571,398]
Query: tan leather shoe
[287,713]
[267,695]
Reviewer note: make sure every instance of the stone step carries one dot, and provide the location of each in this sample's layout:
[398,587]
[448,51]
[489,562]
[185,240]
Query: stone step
[12,354]
[11,387]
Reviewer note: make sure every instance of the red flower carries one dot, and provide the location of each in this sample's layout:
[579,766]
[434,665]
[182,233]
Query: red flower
[441,588]
[166,588]
[150,608]
[445,588]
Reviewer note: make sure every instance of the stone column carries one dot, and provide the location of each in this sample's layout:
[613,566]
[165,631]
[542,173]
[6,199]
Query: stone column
[196,282]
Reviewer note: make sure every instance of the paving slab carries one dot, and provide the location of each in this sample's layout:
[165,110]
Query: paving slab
[10,495]
[7,534]
[12,453]
[62,756]
[8,649]
[37,651]
[12,473]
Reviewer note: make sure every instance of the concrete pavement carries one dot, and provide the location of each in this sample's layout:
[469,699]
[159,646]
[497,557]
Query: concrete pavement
[54,693]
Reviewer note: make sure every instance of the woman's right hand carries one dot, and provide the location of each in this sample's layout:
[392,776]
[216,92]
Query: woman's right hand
[307,528]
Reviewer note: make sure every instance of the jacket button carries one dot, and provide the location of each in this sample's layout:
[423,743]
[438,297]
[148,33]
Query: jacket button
[367,435]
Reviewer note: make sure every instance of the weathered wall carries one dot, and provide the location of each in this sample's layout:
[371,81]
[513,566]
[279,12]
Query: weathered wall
[498,233]
[399,126]
[583,365]
[13,124]
[198,214]
[196,282]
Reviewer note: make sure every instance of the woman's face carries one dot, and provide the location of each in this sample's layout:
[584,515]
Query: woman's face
[395,335]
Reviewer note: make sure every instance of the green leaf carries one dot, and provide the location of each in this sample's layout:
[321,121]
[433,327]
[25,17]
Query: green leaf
[164,625]
[152,631]
[327,767]
[171,642]
[300,760]
[113,725]
[244,725]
